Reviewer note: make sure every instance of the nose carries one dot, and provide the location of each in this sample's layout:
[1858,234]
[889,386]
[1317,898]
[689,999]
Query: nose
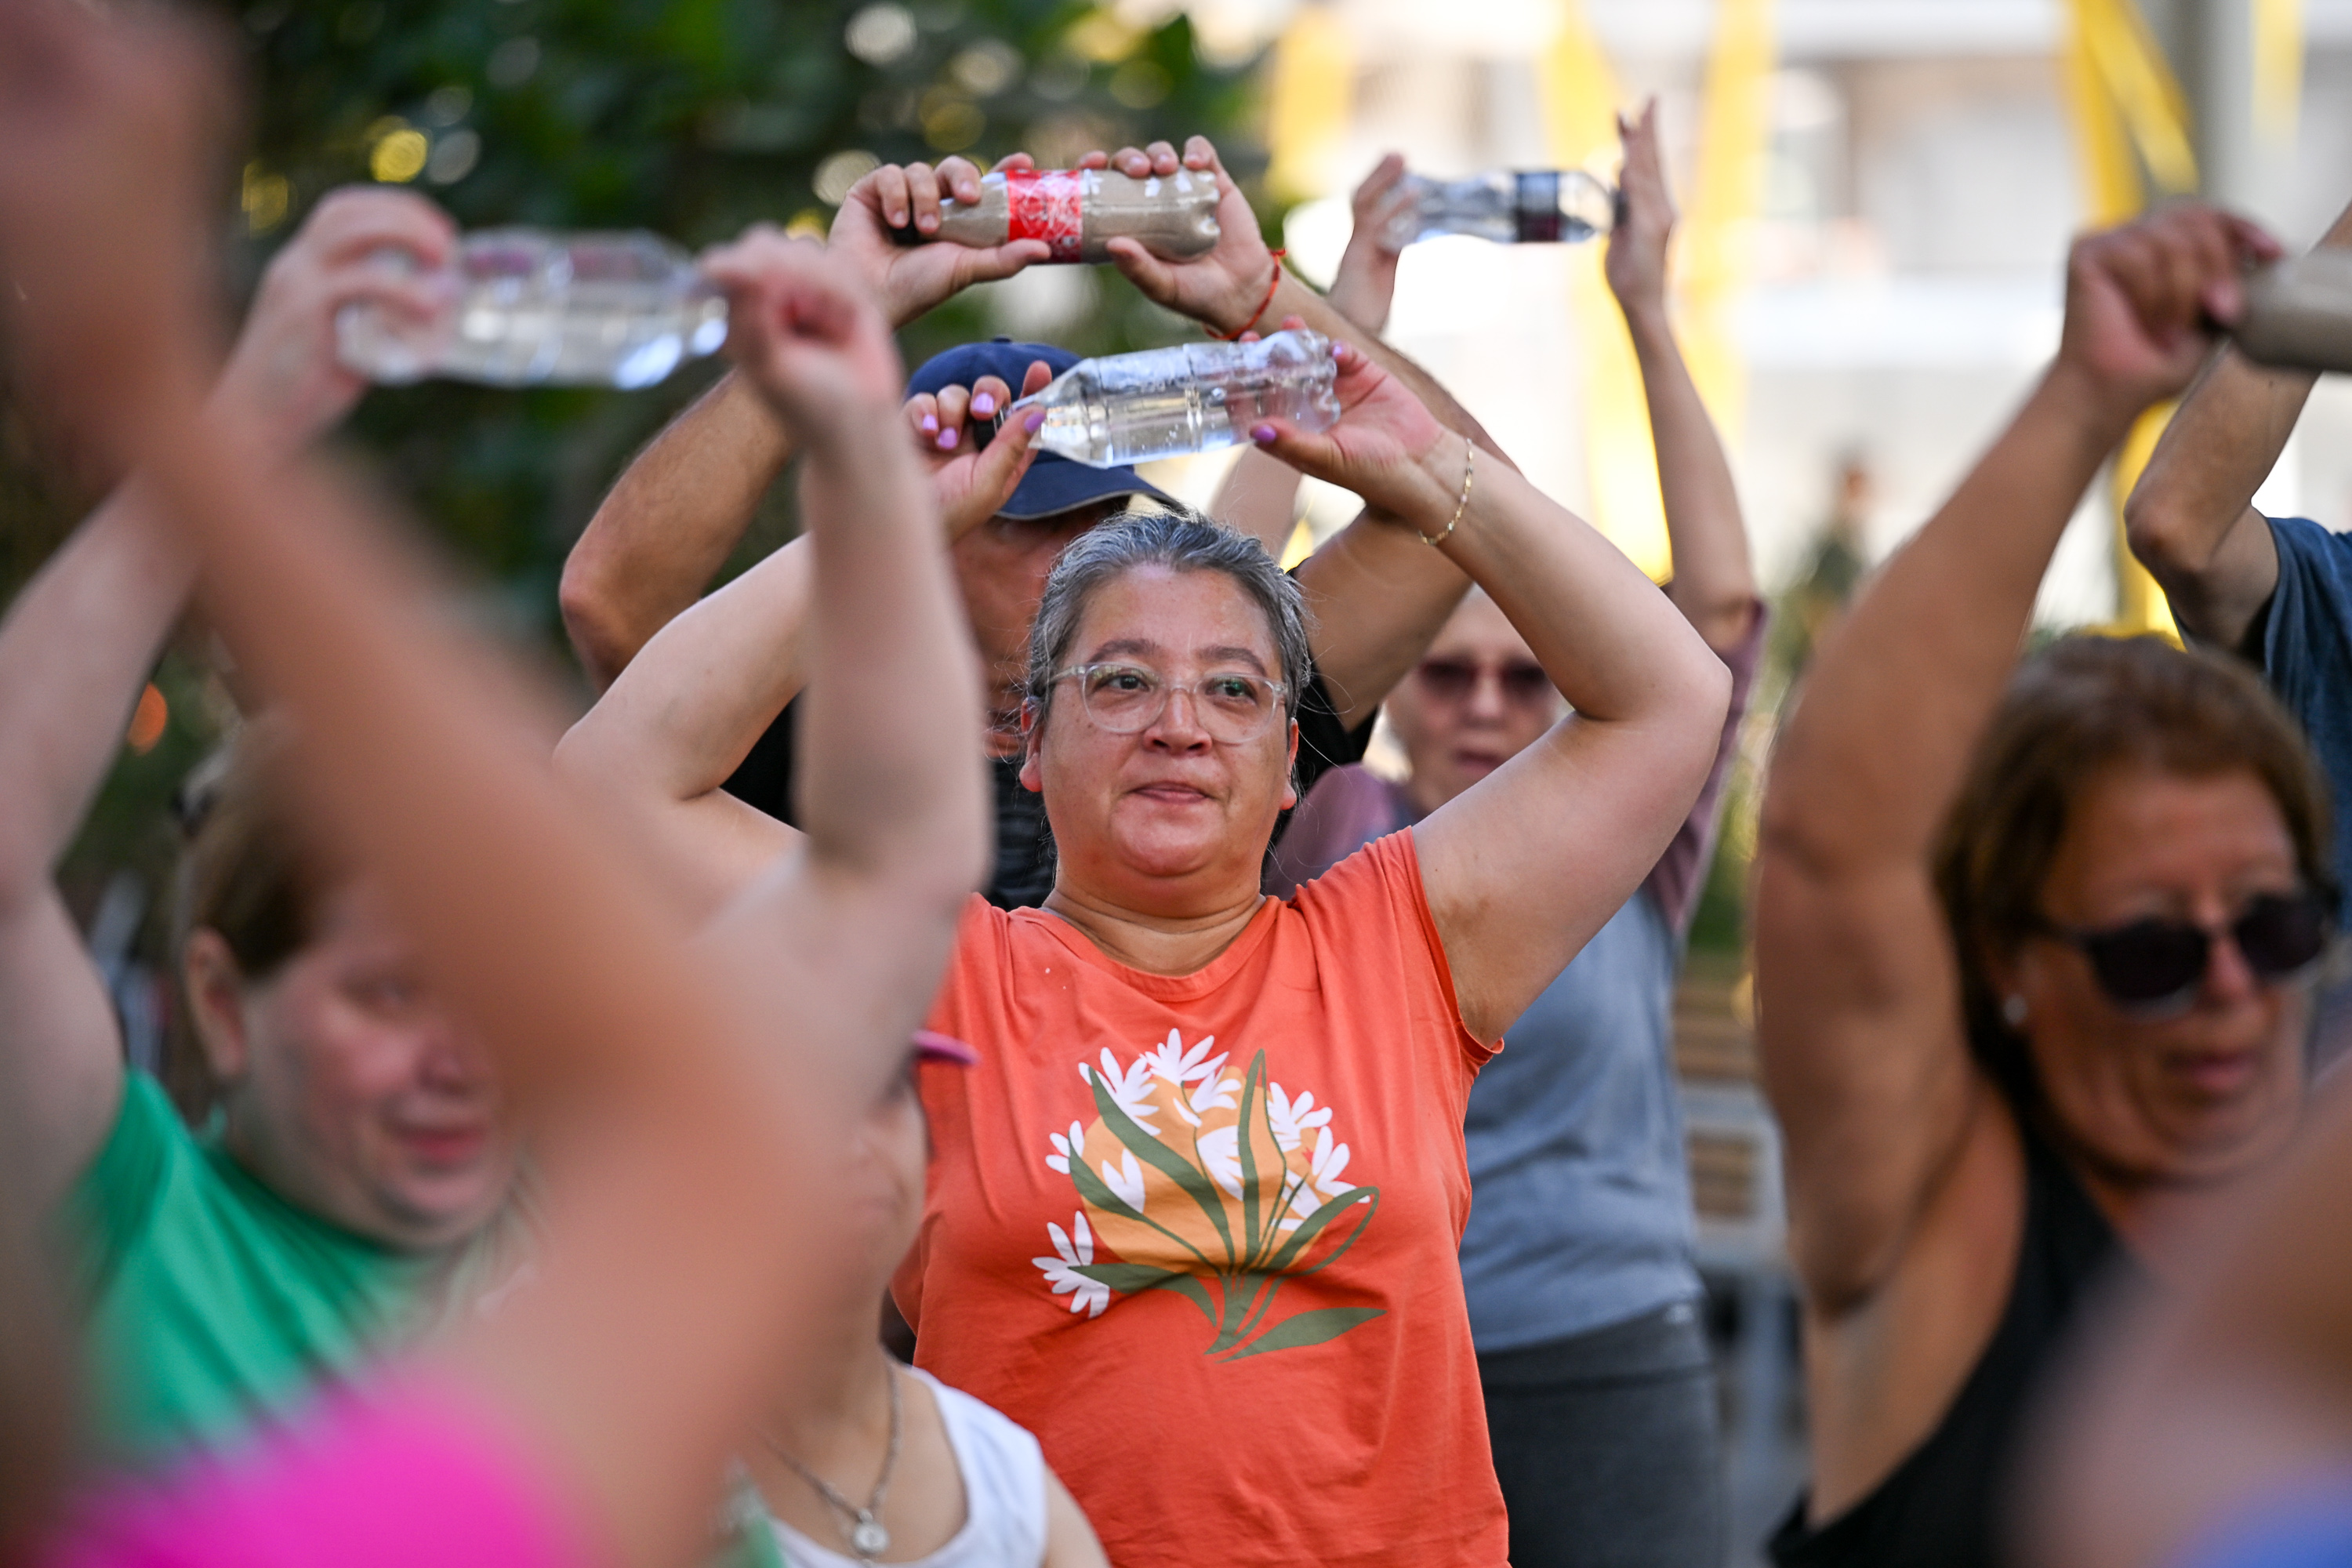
[1174,733]
[1486,701]
[2228,976]
[454,1062]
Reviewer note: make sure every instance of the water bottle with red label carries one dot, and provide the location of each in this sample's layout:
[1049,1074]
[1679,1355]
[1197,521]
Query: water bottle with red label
[1078,211]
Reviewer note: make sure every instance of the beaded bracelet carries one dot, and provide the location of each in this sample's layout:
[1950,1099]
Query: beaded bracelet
[1469,466]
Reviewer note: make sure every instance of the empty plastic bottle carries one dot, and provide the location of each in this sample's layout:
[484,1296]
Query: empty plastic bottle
[2299,314]
[1195,397]
[521,307]
[1078,211]
[1533,207]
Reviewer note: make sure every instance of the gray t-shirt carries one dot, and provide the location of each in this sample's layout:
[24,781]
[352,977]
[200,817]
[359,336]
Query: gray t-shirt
[1581,1212]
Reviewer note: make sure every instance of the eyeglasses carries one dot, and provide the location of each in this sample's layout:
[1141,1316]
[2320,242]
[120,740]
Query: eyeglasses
[1231,705]
[2154,967]
[1523,681]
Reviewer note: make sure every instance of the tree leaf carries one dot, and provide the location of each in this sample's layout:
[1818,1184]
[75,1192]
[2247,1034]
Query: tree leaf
[1308,1328]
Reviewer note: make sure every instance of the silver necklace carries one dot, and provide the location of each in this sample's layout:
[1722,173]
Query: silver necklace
[861,1527]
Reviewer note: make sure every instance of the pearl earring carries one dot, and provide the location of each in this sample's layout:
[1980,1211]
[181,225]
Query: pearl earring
[2012,1010]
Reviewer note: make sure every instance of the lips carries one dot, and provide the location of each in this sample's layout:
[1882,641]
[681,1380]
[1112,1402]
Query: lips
[443,1145]
[2216,1074]
[1169,793]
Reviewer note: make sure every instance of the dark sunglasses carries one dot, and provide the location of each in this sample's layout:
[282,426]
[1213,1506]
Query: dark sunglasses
[1453,679]
[2154,966]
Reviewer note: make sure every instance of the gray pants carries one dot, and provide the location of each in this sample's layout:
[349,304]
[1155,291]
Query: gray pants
[1606,1446]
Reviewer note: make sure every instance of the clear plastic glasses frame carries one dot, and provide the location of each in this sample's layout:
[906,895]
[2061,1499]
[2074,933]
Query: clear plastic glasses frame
[1231,705]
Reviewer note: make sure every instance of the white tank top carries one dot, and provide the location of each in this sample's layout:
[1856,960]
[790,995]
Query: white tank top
[1004,1487]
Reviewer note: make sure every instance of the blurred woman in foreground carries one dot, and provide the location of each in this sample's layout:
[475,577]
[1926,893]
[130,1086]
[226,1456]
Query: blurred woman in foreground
[589,1417]
[2030,944]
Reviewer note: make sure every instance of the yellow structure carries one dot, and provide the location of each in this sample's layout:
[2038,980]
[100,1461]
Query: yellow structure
[1582,99]
[1310,98]
[2131,131]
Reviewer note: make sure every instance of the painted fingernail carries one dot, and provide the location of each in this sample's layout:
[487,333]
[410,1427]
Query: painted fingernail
[947,440]
[931,425]
[1263,433]
[983,406]
[1035,422]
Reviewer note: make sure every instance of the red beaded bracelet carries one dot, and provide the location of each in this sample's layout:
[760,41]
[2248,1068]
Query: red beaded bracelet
[1271,285]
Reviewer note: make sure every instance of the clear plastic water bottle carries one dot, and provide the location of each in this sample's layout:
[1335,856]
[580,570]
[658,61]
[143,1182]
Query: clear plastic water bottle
[1078,211]
[2299,314]
[1532,206]
[522,307]
[1195,397]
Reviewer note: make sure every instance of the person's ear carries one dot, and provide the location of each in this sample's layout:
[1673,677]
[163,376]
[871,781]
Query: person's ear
[215,989]
[1032,744]
[1290,770]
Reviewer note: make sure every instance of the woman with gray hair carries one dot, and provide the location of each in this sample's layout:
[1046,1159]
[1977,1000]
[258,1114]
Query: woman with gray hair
[1193,1215]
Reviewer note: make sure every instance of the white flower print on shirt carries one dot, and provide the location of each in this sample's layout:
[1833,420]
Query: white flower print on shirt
[1293,1120]
[1062,1270]
[1245,1188]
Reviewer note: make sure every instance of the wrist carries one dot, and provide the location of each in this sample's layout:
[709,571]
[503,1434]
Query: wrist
[1646,322]
[1252,298]
[2097,410]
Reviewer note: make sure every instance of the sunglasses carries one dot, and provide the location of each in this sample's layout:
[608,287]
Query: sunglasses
[1453,679]
[2156,967]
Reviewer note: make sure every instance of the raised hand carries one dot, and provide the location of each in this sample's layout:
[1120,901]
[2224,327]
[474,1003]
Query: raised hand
[111,131]
[909,280]
[804,330]
[1636,265]
[283,372]
[1224,286]
[2141,300]
[972,481]
[1366,280]
[1387,447]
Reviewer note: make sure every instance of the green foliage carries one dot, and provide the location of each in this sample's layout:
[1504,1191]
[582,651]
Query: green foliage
[692,118]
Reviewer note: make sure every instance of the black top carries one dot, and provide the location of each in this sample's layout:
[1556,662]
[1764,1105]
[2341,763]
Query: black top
[1940,1508]
[1024,870]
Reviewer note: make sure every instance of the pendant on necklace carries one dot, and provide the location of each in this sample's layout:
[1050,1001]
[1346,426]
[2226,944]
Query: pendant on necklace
[868,1539]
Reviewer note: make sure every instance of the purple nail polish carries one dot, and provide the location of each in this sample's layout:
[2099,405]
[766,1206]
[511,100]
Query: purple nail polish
[947,440]
[983,406]
[1263,433]
[931,425]
[1035,422]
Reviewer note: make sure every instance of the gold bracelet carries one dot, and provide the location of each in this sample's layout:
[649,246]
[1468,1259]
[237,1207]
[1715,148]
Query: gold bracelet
[1469,467]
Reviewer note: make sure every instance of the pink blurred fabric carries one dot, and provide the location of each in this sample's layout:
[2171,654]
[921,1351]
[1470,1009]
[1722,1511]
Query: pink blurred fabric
[407,1472]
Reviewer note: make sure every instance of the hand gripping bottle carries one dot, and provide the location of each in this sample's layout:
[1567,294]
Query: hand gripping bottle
[1195,397]
[1534,207]
[2299,314]
[523,307]
[1076,211]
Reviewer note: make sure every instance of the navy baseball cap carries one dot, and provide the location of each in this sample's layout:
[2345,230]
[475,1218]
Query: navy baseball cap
[1053,483]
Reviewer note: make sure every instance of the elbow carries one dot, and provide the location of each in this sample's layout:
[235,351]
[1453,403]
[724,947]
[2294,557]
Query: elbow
[591,622]
[2159,531]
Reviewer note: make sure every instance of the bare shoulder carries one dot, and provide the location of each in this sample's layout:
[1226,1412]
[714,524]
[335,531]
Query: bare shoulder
[1882,1371]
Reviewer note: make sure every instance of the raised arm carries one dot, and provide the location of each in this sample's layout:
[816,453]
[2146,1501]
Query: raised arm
[1260,492]
[1714,584]
[2190,520]
[682,503]
[1524,867]
[1858,1006]
[78,642]
[682,716]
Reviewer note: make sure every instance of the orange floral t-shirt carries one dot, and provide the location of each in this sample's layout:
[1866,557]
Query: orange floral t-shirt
[1199,1233]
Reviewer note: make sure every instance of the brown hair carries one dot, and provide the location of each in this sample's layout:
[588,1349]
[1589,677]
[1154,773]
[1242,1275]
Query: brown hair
[247,874]
[2084,705]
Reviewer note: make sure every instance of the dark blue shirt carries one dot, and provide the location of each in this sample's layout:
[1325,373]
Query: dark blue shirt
[2305,639]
